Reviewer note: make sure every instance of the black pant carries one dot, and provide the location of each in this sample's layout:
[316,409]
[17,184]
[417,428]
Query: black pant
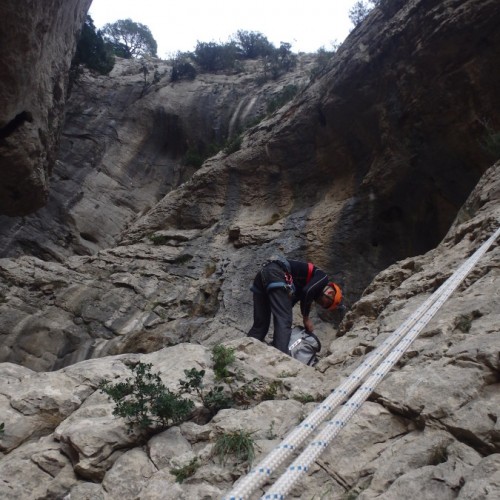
[276,301]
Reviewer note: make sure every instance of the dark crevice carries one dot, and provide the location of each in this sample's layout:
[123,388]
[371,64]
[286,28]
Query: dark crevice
[13,125]
[468,438]
[89,237]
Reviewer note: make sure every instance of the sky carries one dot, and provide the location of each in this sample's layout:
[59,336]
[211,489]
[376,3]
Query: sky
[177,25]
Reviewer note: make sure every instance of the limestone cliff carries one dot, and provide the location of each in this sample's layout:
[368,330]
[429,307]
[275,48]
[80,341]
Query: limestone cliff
[124,145]
[377,169]
[430,429]
[36,47]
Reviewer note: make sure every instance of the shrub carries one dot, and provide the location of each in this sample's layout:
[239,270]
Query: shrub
[193,158]
[92,51]
[145,402]
[211,56]
[182,473]
[439,455]
[233,145]
[270,392]
[222,358]
[159,239]
[183,258]
[285,95]
[464,323]
[240,444]
[359,11]
[213,400]
[279,61]
[252,44]
[182,67]
[304,398]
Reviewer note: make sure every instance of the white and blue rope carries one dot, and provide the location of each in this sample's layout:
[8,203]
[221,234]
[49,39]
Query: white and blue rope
[262,472]
[285,483]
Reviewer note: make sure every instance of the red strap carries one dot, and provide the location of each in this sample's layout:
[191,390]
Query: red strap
[310,268]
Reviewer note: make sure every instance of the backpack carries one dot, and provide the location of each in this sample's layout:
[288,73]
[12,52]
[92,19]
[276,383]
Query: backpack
[304,346]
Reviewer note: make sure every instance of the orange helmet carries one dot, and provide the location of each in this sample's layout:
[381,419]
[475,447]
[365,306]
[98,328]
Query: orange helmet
[333,292]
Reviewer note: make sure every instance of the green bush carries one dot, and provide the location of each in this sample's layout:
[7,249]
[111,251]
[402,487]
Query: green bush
[159,239]
[145,402]
[240,444]
[252,44]
[287,94]
[183,258]
[360,9]
[193,158]
[222,357]
[304,398]
[182,473]
[323,58]
[233,145]
[278,62]
[92,51]
[182,69]
[270,392]
[213,400]
[211,56]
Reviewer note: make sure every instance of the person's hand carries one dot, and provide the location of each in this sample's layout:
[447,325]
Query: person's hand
[308,325]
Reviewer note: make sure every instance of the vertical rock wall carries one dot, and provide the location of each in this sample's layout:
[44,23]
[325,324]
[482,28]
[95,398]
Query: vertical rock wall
[37,42]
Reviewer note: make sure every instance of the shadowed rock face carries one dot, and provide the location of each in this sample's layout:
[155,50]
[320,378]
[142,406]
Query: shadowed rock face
[343,176]
[351,191]
[123,147]
[430,427]
[408,101]
[372,162]
[37,44]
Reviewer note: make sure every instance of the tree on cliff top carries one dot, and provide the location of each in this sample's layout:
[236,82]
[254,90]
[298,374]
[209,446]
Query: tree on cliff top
[91,50]
[130,39]
[360,10]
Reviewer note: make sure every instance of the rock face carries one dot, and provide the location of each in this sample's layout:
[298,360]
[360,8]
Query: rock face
[124,146]
[430,429]
[371,163]
[385,144]
[37,44]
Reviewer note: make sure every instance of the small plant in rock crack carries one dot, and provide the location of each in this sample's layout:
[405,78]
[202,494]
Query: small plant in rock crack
[271,390]
[145,402]
[222,357]
[304,398]
[182,473]
[213,400]
[240,444]
[158,239]
[248,392]
[2,429]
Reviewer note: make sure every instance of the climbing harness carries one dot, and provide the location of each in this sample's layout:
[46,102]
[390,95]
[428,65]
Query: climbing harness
[392,349]
[287,284]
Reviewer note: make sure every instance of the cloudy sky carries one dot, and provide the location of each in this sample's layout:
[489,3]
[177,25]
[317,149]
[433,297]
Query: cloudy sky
[179,24]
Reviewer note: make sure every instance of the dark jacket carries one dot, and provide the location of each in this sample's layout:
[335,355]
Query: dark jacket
[307,293]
